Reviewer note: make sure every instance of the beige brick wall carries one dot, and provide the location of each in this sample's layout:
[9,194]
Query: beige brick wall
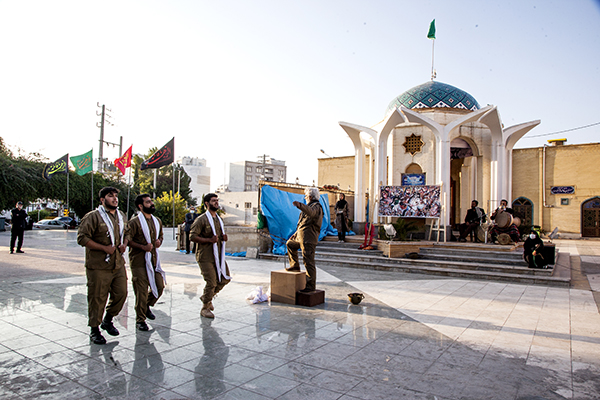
[568,165]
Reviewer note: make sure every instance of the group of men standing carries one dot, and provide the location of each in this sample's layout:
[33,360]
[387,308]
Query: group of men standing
[106,233]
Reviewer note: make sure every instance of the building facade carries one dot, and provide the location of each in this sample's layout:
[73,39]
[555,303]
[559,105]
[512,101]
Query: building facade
[199,173]
[441,134]
[244,176]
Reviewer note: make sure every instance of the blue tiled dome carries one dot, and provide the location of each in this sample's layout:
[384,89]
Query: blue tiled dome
[434,95]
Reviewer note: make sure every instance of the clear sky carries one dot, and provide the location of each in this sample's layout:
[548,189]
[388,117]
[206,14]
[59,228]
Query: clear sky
[233,80]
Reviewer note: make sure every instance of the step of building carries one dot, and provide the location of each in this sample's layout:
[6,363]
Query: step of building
[453,254]
[330,249]
[473,263]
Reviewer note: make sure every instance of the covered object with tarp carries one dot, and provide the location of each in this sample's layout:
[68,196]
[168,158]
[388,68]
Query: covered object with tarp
[282,216]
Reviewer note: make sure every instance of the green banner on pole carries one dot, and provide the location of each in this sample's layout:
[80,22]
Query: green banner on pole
[431,34]
[83,163]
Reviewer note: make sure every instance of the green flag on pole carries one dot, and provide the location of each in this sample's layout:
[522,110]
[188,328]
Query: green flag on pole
[83,163]
[431,34]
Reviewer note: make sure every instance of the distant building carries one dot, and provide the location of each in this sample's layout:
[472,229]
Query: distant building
[241,208]
[222,188]
[244,175]
[197,170]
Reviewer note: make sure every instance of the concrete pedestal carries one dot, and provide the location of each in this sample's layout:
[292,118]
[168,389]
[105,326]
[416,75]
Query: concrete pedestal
[285,284]
[310,299]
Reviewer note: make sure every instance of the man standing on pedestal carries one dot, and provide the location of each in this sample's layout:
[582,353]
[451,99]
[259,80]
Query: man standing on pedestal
[306,237]
[145,237]
[103,234]
[209,233]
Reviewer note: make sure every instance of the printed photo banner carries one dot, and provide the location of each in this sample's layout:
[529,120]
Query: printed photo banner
[410,201]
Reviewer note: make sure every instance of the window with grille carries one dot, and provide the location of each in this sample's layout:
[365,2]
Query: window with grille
[413,144]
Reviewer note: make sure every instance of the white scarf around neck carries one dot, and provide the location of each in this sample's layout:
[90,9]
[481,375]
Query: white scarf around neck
[111,228]
[219,260]
[148,255]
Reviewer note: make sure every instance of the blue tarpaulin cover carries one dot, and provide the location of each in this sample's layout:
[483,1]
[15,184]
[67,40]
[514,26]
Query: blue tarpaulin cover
[282,215]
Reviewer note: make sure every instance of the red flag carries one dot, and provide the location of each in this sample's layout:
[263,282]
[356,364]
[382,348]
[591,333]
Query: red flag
[124,161]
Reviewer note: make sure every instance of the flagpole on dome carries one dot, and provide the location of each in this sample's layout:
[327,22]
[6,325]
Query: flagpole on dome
[431,35]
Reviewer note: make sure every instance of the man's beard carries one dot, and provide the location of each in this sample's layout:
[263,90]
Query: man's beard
[110,207]
[212,208]
[149,210]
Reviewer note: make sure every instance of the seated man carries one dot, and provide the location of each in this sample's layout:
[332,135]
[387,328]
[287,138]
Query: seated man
[512,230]
[533,251]
[475,216]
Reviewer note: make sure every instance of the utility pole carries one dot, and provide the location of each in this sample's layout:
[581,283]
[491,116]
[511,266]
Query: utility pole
[264,162]
[105,119]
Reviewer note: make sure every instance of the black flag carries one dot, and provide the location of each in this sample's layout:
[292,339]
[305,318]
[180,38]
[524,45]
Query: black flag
[164,156]
[60,166]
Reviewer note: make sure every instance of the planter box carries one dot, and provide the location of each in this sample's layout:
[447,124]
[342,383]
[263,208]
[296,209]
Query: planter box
[399,249]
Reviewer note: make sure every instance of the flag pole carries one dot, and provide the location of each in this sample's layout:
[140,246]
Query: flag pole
[92,188]
[68,182]
[128,190]
[431,35]
[432,57]
[173,200]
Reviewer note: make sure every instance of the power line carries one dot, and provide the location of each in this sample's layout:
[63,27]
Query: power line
[566,130]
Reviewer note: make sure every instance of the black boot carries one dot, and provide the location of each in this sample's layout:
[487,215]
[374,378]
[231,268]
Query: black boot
[150,314]
[96,337]
[142,326]
[108,326]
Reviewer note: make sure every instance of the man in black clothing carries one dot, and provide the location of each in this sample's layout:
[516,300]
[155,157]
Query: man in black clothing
[19,217]
[189,220]
[533,250]
[475,216]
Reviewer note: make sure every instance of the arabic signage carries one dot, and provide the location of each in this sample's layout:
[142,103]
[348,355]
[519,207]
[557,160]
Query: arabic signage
[413,179]
[562,189]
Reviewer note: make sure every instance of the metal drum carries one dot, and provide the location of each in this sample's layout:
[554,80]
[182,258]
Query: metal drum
[504,219]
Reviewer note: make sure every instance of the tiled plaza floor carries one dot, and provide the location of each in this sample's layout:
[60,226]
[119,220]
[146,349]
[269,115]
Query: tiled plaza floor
[413,337]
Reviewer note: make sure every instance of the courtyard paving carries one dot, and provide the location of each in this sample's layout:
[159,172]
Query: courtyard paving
[412,337]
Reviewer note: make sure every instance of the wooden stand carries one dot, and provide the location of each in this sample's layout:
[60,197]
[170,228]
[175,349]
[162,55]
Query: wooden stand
[310,299]
[285,284]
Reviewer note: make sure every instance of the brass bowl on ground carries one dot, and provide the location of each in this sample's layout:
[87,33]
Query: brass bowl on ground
[355,298]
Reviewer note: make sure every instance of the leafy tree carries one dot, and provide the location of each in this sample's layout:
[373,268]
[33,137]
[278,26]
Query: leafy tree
[20,177]
[42,213]
[144,180]
[164,208]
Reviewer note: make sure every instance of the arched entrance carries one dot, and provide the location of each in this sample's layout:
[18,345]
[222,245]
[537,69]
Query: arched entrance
[463,177]
[590,217]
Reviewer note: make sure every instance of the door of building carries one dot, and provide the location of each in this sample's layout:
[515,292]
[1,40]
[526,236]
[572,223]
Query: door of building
[590,218]
[523,208]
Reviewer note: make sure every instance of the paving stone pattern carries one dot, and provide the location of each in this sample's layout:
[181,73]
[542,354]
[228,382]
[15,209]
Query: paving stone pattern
[412,337]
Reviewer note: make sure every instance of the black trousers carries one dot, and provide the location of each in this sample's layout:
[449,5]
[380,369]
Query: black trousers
[14,234]
[187,244]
